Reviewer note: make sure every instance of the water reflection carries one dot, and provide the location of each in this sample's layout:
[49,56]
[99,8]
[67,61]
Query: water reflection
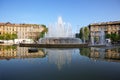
[60,57]
[108,54]
[64,56]
[11,52]
[59,64]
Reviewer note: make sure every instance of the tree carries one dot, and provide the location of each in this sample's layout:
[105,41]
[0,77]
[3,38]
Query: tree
[13,36]
[1,37]
[86,33]
[114,37]
[45,30]
[80,33]
[118,36]
[108,36]
[42,34]
[43,25]
[8,36]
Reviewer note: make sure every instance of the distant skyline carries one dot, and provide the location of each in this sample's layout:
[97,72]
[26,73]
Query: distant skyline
[77,12]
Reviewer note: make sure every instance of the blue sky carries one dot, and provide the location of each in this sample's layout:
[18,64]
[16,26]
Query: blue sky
[77,12]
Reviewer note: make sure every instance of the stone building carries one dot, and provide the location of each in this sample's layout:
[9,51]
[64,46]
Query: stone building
[96,29]
[23,31]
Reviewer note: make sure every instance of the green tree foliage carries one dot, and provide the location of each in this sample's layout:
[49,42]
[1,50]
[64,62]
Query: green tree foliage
[81,33]
[8,36]
[45,28]
[13,36]
[43,25]
[1,37]
[42,34]
[107,35]
[84,34]
[113,36]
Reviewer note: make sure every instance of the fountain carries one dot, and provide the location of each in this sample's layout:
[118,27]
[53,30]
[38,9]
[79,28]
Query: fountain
[101,38]
[59,33]
[59,29]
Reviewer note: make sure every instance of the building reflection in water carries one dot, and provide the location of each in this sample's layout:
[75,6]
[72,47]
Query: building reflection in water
[60,57]
[113,54]
[10,52]
[110,54]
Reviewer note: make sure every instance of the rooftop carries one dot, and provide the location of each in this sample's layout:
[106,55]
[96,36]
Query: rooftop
[12,24]
[105,23]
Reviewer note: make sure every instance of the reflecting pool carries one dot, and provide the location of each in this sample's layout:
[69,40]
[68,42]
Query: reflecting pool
[16,63]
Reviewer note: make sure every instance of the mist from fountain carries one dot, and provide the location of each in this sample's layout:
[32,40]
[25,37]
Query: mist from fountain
[59,33]
[101,38]
[59,29]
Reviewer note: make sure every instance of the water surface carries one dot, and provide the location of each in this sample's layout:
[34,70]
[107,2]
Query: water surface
[16,63]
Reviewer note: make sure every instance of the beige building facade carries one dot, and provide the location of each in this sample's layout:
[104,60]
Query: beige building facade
[23,31]
[106,27]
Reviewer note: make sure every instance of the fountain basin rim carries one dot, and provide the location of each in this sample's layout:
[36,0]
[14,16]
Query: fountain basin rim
[59,38]
[53,45]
